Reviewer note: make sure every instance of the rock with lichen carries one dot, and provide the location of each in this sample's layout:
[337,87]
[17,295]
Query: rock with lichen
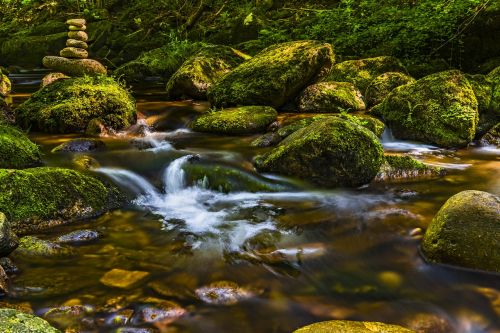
[74,67]
[274,76]
[346,326]
[16,149]
[16,321]
[383,84]
[400,168]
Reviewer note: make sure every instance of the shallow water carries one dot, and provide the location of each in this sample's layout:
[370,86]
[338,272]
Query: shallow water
[307,254]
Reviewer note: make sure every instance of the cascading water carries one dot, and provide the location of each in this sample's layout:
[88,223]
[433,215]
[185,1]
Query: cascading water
[174,176]
[389,142]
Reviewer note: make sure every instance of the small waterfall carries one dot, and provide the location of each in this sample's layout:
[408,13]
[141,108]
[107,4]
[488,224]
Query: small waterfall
[174,177]
[389,142]
[387,136]
[132,181]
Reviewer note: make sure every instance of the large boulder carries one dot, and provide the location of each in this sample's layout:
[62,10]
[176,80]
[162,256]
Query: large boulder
[38,198]
[401,168]
[345,326]
[440,109]
[74,67]
[275,75]
[68,106]
[329,152]
[8,239]
[465,232]
[238,120]
[383,84]
[334,97]
[16,150]
[5,85]
[13,321]
[483,90]
[201,71]
[361,72]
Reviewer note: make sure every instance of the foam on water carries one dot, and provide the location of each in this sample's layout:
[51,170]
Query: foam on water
[391,143]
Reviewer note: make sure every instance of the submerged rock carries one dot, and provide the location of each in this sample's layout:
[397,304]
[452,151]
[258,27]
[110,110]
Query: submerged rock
[335,97]
[238,120]
[34,247]
[331,152]
[16,150]
[120,278]
[5,85]
[8,239]
[223,293]
[274,76]
[38,198]
[79,145]
[362,72]
[383,84]
[399,168]
[74,67]
[201,71]
[492,137]
[79,237]
[345,326]
[465,232]
[15,321]
[53,77]
[69,106]
[157,311]
[439,109]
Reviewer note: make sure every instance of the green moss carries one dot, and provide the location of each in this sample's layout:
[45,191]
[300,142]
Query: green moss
[346,326]
[399,168]
[201,71]
[330,152]
[240,120]
[383,84]
[16,150]
[465,232]
[30,246]
[14,321]
[439,109]
[67,106]
[34,199]
[362,72]
[492,137]
[227,179]
[483,90]
[332,97]
[273,76]
[163,61]
[28,51]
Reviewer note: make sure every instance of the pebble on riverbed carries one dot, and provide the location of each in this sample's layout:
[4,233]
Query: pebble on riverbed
[120,278]
[223,293]
[79,237]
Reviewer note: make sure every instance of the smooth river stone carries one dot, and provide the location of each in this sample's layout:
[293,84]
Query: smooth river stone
[53,77]
[73,52]
[75,28]
[77,43]
[74,67]
[78,35]
[120,278]
[76,22]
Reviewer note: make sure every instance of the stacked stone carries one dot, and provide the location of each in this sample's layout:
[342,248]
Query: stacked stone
[73,59]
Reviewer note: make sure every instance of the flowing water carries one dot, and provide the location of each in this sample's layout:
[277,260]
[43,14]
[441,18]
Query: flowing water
[302,254]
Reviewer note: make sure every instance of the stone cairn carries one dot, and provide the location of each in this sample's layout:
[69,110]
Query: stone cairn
[73,59]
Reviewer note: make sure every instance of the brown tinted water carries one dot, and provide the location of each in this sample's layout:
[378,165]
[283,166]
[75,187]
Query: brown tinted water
[338,254]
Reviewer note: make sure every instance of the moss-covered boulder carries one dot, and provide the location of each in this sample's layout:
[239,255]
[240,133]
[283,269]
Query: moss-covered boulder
[162,62]
[362,72]
[34,247]
[331,97]
[400,168]
[201,71]
[14,321]
[275,75]
[465,232]
[345,326]
[8,239]
[79,145]
[38,198]
[6,113]
[439,109]
[492,137]
[330,152]
[68,106]
[483,90]
[16,150]
[383,84]
[238,120]
[225,178]
[5,85]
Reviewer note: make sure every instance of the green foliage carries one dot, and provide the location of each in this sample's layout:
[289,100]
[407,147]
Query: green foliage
[16,150]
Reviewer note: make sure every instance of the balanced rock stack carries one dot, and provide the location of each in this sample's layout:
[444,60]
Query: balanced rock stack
[73,59]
